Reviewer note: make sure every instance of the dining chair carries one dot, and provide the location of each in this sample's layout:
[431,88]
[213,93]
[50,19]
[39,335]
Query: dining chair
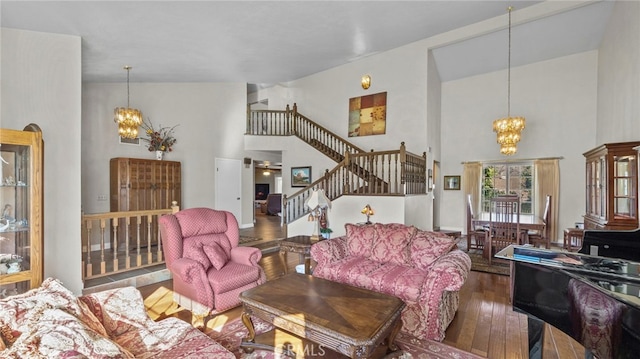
[504,224]
[476,236]
[541,237]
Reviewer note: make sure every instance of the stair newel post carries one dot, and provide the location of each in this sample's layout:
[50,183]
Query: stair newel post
[285,213]
[294,119]
[287,119]
[403,161]
[424,173]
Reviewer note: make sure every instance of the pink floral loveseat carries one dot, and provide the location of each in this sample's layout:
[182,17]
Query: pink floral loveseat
[424,269]
[50,322]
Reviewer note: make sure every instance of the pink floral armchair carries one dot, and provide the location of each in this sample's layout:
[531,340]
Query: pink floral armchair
[209,269]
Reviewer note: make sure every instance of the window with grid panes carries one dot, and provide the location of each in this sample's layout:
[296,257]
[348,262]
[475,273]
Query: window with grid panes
[508,178]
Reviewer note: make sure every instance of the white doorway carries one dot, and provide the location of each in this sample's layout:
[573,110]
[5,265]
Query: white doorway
[228,186]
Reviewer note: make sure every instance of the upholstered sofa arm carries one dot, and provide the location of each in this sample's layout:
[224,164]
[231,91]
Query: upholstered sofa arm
[119,310]
[192,272]
[246,255]
[451,270]
[329,250]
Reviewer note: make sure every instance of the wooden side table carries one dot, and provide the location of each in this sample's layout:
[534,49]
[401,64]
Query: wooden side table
[300,245]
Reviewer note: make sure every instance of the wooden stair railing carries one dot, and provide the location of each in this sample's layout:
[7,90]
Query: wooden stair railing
[394,172]
[388,173]
[291,123]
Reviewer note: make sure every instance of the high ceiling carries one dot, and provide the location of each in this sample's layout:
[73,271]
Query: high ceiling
[269,42]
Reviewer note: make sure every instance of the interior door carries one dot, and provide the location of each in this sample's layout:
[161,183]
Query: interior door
[229,186]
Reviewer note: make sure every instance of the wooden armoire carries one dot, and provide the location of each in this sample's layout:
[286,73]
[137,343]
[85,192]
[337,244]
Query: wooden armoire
[139,184]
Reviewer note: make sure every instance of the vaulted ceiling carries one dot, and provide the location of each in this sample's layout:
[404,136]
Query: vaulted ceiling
[269,42]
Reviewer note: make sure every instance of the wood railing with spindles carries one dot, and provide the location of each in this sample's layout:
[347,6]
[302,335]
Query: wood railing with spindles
[141,246]
[382,173]
[388,173]
[291,123]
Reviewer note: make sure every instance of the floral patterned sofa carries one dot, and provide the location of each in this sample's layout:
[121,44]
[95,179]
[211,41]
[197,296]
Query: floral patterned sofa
[50,322]
[424,269]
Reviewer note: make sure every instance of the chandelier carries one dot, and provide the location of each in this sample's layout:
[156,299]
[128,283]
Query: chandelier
[508,129]
[128,119]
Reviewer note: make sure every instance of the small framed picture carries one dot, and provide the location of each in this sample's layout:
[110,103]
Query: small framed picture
[300,176]
[452,183]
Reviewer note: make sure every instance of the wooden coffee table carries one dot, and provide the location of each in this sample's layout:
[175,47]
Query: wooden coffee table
[339,318]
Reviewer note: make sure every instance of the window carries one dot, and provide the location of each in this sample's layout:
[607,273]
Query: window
[508,178]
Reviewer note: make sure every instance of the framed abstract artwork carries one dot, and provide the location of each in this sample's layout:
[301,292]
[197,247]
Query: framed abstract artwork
[300,176]
[368,115]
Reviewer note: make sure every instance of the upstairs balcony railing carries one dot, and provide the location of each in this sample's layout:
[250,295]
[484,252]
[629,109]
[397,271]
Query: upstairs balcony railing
[291,123]
[133,237]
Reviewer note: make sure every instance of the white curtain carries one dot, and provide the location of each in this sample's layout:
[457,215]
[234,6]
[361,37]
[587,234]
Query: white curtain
[471,179]
[547,177]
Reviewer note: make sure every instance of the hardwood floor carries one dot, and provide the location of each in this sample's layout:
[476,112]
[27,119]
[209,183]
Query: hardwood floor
[485,323]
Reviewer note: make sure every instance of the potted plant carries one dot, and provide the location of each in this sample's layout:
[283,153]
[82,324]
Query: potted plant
[326,232]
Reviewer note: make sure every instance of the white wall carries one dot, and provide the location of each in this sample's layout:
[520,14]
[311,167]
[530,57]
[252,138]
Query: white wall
[346,209]
[324,97]
[619,76]
[210,119]
[41,84]
[560,109]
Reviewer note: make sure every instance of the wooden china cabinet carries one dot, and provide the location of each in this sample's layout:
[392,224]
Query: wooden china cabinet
[140,184]
[612,186]
[21,185]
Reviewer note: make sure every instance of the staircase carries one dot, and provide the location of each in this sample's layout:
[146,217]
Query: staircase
[377,173]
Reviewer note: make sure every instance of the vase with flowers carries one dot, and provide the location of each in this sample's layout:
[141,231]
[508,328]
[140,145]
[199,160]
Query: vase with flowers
[160,140]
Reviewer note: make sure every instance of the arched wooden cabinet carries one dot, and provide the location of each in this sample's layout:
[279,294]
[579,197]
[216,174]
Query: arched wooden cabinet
[612,186]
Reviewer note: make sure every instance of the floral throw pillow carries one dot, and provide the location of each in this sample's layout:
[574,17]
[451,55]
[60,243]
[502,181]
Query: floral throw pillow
[360,239]
[392,243]
[427,246]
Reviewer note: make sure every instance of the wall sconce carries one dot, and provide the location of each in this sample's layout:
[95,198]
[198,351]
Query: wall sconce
[366,81]
[368,211]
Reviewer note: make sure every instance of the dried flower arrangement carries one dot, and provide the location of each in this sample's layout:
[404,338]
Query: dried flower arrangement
[161,139]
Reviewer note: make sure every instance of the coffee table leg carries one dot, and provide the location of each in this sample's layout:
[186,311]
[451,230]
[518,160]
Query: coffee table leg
[246,320]
[392,337]
[307,266]
[283,259]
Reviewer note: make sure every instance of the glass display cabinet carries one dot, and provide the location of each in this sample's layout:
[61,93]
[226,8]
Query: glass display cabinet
[612,186]
[21,184]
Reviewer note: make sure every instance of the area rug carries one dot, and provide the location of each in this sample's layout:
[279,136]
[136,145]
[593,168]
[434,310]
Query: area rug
[481,264]
[230,335]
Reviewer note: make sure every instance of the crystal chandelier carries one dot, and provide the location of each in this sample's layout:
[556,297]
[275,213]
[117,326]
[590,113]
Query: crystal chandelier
[508,129]
[128,119]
